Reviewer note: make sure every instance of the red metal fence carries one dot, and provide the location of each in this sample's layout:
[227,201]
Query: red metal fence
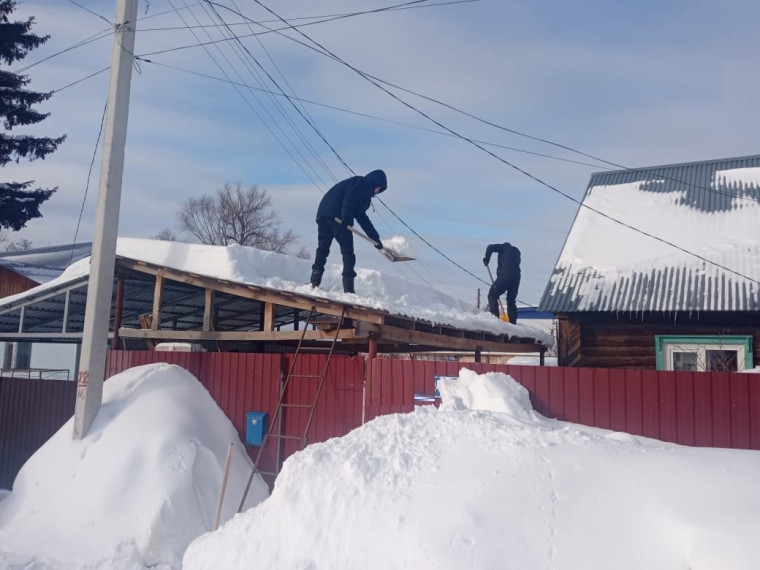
[710,409]
[700,408]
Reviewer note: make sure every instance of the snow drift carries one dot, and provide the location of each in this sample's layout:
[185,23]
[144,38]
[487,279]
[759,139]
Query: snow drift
[140,486]
[486,482]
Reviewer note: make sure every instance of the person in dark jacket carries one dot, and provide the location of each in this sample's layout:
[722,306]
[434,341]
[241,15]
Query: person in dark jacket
[348,201]
[507,278]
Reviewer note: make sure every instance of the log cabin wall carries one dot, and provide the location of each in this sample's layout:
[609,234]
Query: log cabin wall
[12,282]
[604,340]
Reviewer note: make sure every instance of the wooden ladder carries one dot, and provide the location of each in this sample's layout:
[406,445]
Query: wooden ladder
[274,424]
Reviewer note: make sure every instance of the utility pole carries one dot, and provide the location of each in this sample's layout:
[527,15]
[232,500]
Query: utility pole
[92,361]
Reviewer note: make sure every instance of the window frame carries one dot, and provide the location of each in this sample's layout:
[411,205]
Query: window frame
[665,343]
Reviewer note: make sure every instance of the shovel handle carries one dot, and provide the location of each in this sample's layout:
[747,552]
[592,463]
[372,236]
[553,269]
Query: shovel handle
[358,233]
[501,305]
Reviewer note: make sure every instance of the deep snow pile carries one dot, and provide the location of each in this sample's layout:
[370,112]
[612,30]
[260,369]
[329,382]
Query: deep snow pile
[137,489]
[486,482]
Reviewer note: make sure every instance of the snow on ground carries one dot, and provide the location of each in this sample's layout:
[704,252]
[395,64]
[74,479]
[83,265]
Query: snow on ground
[482,482]
[140,486]
[486,482]
[378,290]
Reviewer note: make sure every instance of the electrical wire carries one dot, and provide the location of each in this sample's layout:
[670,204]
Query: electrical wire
[266,125]
[246,57]
[95,37]
[655,171]
[504,161]
[335,16]
[369,116]
[87,185]
[50,93]
[268,30]
[313,126]
[86,9]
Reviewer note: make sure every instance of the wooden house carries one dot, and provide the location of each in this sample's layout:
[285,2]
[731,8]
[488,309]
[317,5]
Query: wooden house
[661,269]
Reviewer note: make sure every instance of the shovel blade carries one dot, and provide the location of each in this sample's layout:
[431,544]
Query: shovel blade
[393,256]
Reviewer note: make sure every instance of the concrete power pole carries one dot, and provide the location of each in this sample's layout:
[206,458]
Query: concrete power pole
[100,288]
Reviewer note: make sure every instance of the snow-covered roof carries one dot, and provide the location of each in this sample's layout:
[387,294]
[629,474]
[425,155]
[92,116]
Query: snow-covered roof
[43,264]
[696,248]
[384,291]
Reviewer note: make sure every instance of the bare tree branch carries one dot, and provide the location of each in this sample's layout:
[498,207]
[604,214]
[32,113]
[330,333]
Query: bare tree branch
[235,214]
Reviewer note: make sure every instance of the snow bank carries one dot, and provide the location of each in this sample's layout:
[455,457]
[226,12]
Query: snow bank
[486,482]
[140,486]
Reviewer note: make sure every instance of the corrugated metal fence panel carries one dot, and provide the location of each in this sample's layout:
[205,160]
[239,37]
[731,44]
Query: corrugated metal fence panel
[705,409]
[30,412]
[708,409]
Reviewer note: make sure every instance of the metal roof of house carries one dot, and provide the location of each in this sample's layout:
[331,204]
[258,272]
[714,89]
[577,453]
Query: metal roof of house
[697,248]
[42,264]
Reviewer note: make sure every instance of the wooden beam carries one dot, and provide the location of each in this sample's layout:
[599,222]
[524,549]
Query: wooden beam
[257,293]
[268,316]
[158,297]
[265,336]
[208,310]
[118,311]
[395,334]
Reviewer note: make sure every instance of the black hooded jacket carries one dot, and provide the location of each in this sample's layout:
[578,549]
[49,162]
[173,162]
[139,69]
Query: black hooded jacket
[350,199]
[509,258]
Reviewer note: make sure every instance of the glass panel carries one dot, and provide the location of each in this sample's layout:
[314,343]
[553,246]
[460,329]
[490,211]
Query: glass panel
[722,360]
[685,361]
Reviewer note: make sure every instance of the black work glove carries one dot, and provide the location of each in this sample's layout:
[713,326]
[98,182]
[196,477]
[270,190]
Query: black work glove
[379,244]
[348,222]
[485,261]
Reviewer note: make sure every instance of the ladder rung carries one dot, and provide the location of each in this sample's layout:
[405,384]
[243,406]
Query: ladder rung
[271,473]
[305,376]
[297,406]
[287,436]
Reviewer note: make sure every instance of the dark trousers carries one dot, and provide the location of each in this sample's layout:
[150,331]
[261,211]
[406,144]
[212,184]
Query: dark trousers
[508,284]
[327,230]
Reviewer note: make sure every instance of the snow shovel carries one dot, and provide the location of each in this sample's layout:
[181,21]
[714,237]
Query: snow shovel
[503,316]
[388,253]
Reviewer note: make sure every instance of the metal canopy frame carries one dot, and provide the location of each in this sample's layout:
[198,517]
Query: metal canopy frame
[156,304]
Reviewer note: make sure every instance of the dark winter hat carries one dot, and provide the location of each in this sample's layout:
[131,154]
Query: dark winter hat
[378,179]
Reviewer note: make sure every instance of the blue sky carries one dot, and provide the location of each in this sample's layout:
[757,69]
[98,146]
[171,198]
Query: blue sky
[638,84]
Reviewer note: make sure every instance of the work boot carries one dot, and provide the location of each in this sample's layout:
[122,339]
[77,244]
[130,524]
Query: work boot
[348,285]
[316,277]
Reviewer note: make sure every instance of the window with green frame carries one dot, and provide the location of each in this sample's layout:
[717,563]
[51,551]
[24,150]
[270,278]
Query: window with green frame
[722,353]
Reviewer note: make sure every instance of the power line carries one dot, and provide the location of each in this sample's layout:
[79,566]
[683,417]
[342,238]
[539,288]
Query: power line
[351,170]
[268,30]
[368,76]
[515,167]
[49,93]
[370,116]
[292,91]
[87,186]
[333,16]
[245,56]
[97,36]
[86,9]
[310,123]
[266,125]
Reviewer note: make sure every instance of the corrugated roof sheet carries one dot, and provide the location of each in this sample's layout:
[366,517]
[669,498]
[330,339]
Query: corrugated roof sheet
[42,264]
[702,251]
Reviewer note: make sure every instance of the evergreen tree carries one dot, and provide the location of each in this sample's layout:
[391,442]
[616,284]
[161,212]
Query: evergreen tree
[19,204]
